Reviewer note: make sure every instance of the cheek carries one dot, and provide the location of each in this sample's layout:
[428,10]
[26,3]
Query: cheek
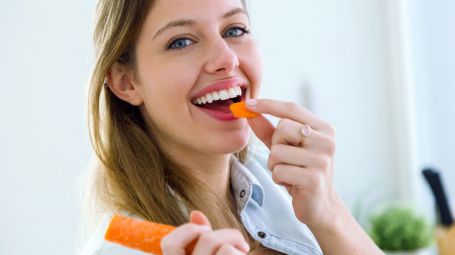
[251,65]
[167,97]
[169,82]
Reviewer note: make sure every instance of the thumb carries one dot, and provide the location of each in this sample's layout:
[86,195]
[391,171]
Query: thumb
[262,128]
[199,218]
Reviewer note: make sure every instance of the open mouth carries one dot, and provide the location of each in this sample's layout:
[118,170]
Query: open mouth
[221,100]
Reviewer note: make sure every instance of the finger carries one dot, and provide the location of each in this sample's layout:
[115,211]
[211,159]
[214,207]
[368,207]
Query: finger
[288,110]
[210,242]
[262,128]
[179,239]
[319,142]
[288,132]
[296,177]
[199,218]
[227,249]
[296,156]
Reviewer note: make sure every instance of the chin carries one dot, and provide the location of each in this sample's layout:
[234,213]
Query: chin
[231,144]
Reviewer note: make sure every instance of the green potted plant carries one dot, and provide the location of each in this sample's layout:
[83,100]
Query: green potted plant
[400,231]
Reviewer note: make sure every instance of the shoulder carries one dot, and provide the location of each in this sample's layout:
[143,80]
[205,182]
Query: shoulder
[97,245]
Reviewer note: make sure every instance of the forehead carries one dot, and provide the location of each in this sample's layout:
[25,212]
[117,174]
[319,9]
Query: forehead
[164,11]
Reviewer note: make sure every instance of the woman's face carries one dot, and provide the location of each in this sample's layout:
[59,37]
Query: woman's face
[189,52]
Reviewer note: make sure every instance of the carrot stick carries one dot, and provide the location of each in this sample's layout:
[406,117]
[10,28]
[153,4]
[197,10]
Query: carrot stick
[239,110]
[137,234]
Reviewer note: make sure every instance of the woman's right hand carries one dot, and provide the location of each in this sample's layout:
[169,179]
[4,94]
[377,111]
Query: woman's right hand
[198,233]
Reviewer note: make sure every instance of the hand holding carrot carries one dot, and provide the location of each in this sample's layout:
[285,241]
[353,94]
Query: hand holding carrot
[198,232]
[195,237]
[302,149]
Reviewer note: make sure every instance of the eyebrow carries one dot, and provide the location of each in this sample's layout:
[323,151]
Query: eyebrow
[234,12]
[189,22]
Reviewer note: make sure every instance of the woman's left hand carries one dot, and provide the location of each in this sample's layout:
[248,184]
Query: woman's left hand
[302,149]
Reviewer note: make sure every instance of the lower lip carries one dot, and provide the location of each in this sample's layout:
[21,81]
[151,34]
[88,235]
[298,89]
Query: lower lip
[224,116]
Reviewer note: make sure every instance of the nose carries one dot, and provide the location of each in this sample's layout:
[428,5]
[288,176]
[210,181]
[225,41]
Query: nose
[221,59]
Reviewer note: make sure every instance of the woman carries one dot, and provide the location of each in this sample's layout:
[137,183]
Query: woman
[170,151]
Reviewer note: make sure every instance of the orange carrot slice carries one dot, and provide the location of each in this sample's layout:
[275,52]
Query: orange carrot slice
[141,235]
[239,110]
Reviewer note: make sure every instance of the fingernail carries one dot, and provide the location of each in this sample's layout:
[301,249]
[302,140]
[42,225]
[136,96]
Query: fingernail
[251,102]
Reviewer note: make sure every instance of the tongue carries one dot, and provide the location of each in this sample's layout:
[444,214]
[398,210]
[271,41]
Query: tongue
[220,105]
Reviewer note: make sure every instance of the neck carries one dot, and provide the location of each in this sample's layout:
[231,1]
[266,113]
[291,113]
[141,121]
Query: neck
[213,170]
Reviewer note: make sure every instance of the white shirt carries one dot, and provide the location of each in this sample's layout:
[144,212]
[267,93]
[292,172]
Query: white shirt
[265,209]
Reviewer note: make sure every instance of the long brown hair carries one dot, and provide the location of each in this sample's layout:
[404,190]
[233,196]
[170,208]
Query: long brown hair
[133,174]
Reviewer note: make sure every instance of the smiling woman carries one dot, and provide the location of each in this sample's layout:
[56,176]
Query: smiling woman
[170,151]
[136,173]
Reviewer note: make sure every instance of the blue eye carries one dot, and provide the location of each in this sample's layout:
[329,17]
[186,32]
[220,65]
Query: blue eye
[180,43]
[235,32]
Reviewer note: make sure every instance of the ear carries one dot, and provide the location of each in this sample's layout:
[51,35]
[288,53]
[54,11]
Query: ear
[121,82]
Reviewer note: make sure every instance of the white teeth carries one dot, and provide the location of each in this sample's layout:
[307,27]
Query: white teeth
[216,96]
[232,93]
[219,95]
[224,95]
[238,91]
[209,98]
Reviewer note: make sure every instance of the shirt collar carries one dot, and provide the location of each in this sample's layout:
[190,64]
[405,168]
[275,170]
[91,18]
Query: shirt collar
[244,185]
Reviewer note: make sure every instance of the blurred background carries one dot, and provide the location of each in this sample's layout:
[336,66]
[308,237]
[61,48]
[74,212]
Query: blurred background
[381,71]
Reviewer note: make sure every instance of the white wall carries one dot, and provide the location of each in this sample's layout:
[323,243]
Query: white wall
[339,51]
[434,65]
[336,50]
[44,69]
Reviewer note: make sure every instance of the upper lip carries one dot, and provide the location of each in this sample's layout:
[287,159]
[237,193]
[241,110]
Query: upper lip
[220,85]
